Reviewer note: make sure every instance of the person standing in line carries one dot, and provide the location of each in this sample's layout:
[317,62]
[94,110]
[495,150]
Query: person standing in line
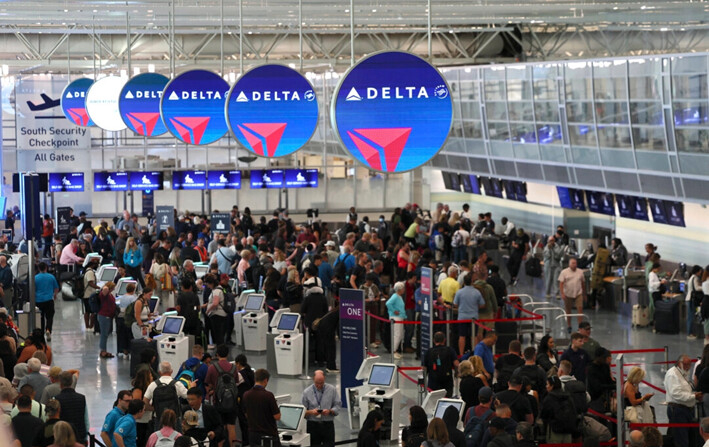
[322,404]
[261,410]
[119,410]
[73,407]
[46,288]
[133,261]
[552,262]
[47,233]
[126,432]
[572,286]
[105,317]
[468,301]
[681,399]
[397,312]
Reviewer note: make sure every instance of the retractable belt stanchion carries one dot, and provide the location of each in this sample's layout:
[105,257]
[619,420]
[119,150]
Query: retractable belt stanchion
[391,341]
[306,357]
[620,435]
[666,367]
[449,315]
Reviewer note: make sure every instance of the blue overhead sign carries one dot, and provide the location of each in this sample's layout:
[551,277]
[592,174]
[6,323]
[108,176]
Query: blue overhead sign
[73,102]
[111,181]
[189,180]
[224,180]
[139,104]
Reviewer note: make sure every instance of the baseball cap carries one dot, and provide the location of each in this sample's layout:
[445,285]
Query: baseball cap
[584,325]
[330,244]
[190,417]
[223,277]
[81,214]
[485,394]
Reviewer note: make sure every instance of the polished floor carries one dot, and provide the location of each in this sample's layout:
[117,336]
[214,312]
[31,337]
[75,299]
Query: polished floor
[101,379]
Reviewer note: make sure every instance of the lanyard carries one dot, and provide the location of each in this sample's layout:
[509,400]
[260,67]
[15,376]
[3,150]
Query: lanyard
[319,401]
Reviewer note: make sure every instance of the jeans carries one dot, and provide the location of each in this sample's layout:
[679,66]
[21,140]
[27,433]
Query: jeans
[690,318]
[47,309]
[123,336]
[136,273]
[460,253]
[409,328]
[397,331]
[679,414]
[105,327]
[47,243]
[551,283]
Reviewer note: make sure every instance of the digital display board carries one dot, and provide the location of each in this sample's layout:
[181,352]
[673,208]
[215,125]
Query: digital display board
[451,181]
[392,111]
[271,178]
[43,182]
[139,104]
[470,183]
[515,190]
[272,110]
[224,180]
[189,180]
[571,199]
[492,186]
[301,178]
[73,102]
[146,181]
[599,202]
[66,181]
[640,208]
[659,213]
[111,181]
[675,213]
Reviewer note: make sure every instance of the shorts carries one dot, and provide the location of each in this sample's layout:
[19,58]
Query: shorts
[228,418]
[465,329]
[578,301]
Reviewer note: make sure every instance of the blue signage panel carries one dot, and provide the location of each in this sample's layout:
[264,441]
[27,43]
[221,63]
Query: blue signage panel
[392,111]
[301,178]
[426,307]
[520,191]
[146,181]
[625,206]
[224,180]
[599,202]
[192,107]
[657,208]
[675,213]
[640,208]
[220,223]
[272,110]
[110,181]
[139,104]
[270,178]
[74,102]
[492,186]
[66,181]
[189,180]
[352,339]
[571,199]
[470,183]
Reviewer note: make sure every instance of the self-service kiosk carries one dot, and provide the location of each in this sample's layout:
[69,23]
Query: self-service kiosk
[354,413]
[254,323]
[443,404]
[173,345]
[105,274]
[122,284]
[291,426]
[200,269]
[238,313]
[270,341]
[91,256]
[430,402]
[288,345]
[383,395]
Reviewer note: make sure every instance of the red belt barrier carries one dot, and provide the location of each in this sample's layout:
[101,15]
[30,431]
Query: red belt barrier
[654,387]
[603,416]
[410,368]
[694,425]
[406,376]
[636,351]
[486,320]
[527,311]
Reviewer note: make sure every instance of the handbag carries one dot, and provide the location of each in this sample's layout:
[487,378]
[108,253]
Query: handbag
[630,414]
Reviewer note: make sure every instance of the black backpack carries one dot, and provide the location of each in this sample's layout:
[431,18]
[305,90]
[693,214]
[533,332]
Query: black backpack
[704,308]
[414,440]
[577,391]
[566,419]
[226,392]
[229,302]
[441,366]
[165,398]
[94,303]
[533,267]
[475,428]
[340,267]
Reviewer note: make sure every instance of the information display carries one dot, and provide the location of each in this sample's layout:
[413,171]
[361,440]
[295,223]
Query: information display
[571,199]
[111,181]
[451,181]
[659,213]
[192,107]
[599,202]
[66,181]
[301,178]
[640,208]
[492,186]
[288,322]
[426,293]
[675,213]
[392,111]
[470,183]
[271,178]
[290,417]
[515,190]
[272,110]
[102,103]
[149,180]
[224,180]
[352,339]
[139,104]
[73,102]
[189,180]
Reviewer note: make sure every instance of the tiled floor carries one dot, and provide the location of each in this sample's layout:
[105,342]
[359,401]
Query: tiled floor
[101,379]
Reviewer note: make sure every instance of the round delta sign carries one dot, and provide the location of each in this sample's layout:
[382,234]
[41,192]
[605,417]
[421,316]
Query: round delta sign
[74,102]
[102,103]
[192,107]
[392,111]
[139,104]
[272,110]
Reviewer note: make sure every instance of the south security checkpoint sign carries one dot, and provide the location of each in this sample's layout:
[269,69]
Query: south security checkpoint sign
[192,107]
[73,102]
[392,111]
[272,110]
[139,104]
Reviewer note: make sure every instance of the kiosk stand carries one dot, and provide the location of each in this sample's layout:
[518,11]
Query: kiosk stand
[254,323]
[288,345]
[122,284]
[238,313]
[354,414]
[291,426]
[270,341]
[430,403]
[173,345]
[383,395]
[443,404]
[105,274]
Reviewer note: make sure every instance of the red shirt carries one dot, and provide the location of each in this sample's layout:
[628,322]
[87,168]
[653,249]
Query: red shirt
[409,300]
[212,374]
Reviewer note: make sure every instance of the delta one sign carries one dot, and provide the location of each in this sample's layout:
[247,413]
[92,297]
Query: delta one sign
[139,104]
[272,110]
[392,111]
[73,102]
[192,107]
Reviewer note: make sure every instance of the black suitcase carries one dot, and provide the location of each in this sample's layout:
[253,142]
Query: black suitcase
[502,344]
[667,316]
[505,327]
[491,243]
[137,346]
[639,296]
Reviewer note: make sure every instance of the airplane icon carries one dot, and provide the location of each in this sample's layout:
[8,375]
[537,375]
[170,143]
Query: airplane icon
[65,181]
[48,103]
[299,177]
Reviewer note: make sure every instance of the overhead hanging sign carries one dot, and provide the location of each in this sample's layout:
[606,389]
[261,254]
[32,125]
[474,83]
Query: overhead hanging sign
[192,107]
[73,102]
[220,223]
[139,104]
[272,110]
[392,111]
[102,103]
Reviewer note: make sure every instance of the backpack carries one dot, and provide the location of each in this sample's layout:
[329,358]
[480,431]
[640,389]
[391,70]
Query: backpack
[457,239]
[533,267]
[226,392]
[166,441]
[150,281]
[704,308]
[577,391]
[566,419]
[165,398]
[442,367]
[187,375]
[340,267]
[414,440]
[439,242]
[129,315]
[94,303]
[229,302]
[475,428]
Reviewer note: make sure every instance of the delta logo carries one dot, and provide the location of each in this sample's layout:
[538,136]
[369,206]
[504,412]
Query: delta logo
[395,93]
[76,94]
[143,122]
[195,95]
[381,148]
[190,128]
[79,116]
[143,94]
[260,135]
[275,96]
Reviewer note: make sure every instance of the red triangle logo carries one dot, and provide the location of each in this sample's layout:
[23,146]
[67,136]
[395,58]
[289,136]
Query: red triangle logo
[391,142]
[183,131]
[270,132]
[79,115]
[144,122]
[196,125]
[253,140]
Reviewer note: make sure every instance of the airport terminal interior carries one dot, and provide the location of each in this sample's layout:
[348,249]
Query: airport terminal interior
[401,197]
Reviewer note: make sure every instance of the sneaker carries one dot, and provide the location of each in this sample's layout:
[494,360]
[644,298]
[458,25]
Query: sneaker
[333,371]
[691,337]
[547,296]
[397,356]
[48,336]
[409,350]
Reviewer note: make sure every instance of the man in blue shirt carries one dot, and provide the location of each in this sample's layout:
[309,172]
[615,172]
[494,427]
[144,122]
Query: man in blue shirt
[468,301]
[113,416]
[577,356]
[484,351]
[397,312]
[126,433]
[325,272]
[322,403]
[46,288]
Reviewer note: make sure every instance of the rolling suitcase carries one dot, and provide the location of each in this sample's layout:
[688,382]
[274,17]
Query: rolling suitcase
[667,316]
[641,316]
[506,332]
[638,296]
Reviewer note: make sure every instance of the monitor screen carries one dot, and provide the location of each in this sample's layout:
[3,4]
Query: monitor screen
[224,180]
[520,191]
[254,302]
[269,178]
[599,202]
[443,405]
[675,213]
[470,183]
[492,187]
[66,181]
[639,205]
[288,322]
[110,181]
[301,178]
[43,182]
[153,303]
[446,180]
[200,270]
[290,417]
[625,206]
[122,287]
[173,325]
[381,375]
[189,180]
[108,274]
[657,208]
[570,198]
[146,181]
